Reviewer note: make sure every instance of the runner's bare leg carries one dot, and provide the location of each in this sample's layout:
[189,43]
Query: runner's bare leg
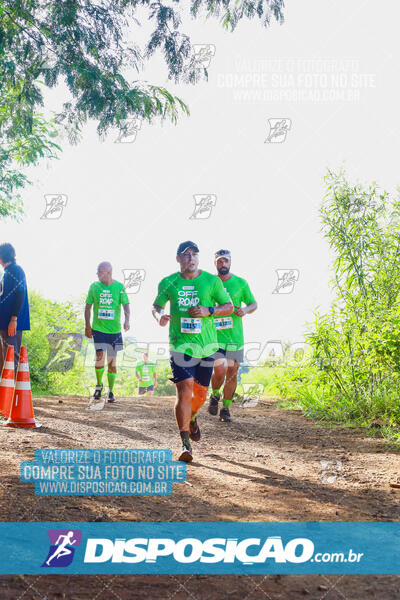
[231,380]
[183,405]
[219,373]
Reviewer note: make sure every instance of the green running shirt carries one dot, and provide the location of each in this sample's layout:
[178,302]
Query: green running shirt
[230,328]
[195,336]
[107,300]
[145,372]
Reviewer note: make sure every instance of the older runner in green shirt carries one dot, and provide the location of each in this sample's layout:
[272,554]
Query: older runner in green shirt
[106,297]
[194,296]
[230,336]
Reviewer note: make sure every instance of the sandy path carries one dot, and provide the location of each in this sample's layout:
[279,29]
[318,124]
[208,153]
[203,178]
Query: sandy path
[264,466]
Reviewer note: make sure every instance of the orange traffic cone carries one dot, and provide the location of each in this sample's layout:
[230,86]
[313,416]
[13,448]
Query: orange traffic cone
[7,383]
[21,413]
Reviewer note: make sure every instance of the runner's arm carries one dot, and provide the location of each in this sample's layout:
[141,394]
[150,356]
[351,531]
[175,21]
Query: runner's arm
[127,312]
[158,313]
[249,301]
[155,379]
[246,310]
[88,328]
[224,309]
[219,311]
[159,303]
[251,307]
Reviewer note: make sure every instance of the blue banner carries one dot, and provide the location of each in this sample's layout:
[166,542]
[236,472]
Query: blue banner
[200,548]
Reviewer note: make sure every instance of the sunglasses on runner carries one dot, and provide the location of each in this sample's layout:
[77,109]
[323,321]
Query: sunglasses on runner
[222,254]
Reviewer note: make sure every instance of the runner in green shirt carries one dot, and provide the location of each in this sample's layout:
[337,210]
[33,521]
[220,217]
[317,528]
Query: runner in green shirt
[147,376]
[106,296]
[230,336]
[194,296]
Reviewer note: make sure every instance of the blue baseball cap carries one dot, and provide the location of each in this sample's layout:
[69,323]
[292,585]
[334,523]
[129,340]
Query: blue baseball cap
[185,245]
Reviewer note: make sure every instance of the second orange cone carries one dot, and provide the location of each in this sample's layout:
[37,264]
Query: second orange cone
[7,383]
[21,413]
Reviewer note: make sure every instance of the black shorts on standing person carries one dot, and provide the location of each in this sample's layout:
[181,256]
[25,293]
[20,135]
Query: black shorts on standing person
[14,306]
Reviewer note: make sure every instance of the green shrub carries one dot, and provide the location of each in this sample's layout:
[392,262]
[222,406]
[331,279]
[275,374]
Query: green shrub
[352,371]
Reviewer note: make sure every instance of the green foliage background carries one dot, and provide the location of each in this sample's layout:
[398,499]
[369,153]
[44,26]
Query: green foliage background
[349,372]
[52,318]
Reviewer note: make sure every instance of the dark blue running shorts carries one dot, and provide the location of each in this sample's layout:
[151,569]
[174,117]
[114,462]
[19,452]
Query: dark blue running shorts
[108,342]
[184,366]
[143,390]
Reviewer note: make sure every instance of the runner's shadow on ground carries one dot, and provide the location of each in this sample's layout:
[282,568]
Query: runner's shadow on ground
[50,431]
[303,435]
[108,427]
[319,492]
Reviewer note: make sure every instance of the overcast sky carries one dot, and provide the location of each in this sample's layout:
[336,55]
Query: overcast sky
[330,72]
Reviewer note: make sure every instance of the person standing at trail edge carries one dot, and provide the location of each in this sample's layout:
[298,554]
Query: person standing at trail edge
[14,305]
[106,297]
[230,336]
[192,294]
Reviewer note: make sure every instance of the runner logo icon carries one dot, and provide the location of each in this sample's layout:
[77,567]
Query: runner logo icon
[203,205]
[55,204]
[252,393]
[203,53]
[128,130]
[286,280]
[133,279]
[62,547]
[278,129]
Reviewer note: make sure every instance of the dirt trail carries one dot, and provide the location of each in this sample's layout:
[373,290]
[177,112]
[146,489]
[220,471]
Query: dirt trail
[264,466]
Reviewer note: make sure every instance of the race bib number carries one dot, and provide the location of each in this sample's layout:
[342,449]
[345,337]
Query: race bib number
[106,313]
[146,378]
[190,325]
[223,323]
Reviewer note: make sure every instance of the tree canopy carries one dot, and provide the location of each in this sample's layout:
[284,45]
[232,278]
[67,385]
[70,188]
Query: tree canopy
[84,43]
